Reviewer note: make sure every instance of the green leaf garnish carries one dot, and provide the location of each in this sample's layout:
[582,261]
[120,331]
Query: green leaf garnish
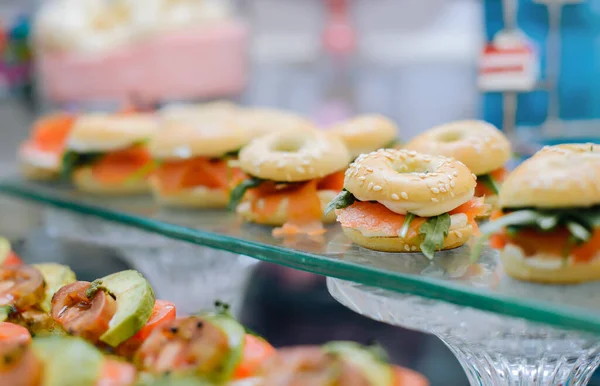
[237,194]
[343,200]
[434,230]
[142,172]
[489,182]
[71,160]
[406,225]
[6,312]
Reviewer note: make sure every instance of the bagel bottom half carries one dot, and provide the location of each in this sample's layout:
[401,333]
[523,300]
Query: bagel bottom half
[280,217]
[33,172]
[563,271]
[455,239]
[197,197]
[84,180]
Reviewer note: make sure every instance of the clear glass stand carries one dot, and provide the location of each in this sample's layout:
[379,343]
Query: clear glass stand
[493,350]
[191,276]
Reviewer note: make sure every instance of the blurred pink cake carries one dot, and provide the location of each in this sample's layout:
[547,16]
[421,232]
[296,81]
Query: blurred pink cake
[157,49]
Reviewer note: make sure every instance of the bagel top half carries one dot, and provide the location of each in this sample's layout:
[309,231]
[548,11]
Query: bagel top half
[477,144]
[405,181]
[294,156]
[563,176]
[106,132]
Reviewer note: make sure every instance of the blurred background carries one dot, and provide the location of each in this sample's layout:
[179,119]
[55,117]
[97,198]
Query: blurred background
[531,67]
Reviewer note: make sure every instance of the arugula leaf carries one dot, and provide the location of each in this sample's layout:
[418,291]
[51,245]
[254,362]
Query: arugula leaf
[71,160]
[343,200]
[435,230]
[237,194]
[230,154]
[142,172]
[578,231]
[406,225]
[489,182]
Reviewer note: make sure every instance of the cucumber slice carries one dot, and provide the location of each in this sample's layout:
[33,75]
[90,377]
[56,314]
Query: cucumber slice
[376,371]
[5,249]
[68,361]
[236,334]
[55,276]
[135,301]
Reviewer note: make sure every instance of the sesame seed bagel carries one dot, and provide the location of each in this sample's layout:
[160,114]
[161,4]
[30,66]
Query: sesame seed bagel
[105,132]
[294,156]
[365,133]
[558,178]
[477,144]
[280,216]
[406,181]
[189,137]
[455,239]
[548,268]
[589,149]
[261,121]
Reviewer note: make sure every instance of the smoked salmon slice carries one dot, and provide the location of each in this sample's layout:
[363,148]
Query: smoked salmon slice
[115,167]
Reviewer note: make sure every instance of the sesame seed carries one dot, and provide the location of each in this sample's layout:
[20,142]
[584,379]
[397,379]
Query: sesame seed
[413,248]
[435,199]
[377,188]
[369,170]
[459,233]
[443,189]
[370,186]
[395,197]
[452,194]
[300,169]
[455,174]
[452,183]
[404,195]
[450,176]
[406,247]
[362,178]
[435,190]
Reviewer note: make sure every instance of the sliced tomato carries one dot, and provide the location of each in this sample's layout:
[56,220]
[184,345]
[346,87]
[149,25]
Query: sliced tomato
[174,176]
[80,315]
[406,377]
[21,286]
[116,373]
[333,181]
[19,366]
[50,133]
[12,259]
[117,166]
[375,217]
[256,351]
[190,344]
[14,334]
[163,312]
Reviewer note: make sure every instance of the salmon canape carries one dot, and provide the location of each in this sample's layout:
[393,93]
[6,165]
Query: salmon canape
[291,178]
[403,201]
[41,154]
[107,154]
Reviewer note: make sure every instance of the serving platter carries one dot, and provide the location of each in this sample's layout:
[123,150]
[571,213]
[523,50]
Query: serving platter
[450,277]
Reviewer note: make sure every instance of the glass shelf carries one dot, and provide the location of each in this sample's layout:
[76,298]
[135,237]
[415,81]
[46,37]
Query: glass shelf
[450,277]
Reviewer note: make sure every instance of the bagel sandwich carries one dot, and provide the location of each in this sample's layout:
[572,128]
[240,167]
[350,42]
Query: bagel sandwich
[106,153]
[404,201]
[478,144]
[366,133]
[40,155]
[548,226]
[192,153]
[291,178]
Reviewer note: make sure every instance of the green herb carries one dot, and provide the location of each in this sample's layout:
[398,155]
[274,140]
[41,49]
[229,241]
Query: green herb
[343,200]
[230,154]
[143,171]
[489,182]
[237,194]
[98,286]
[6,312]
[71,160]
[406,225]
[435,230]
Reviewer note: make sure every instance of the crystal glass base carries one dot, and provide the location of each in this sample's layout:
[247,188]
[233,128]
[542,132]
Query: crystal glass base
[494,350]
